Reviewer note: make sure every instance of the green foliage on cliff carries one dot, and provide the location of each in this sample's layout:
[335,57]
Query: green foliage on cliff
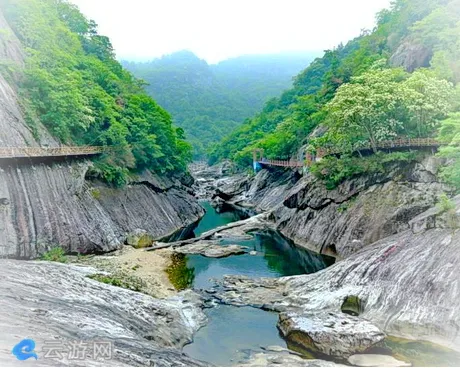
[383,104]
[333,170]
[449,134]
[75,87]
[357,94]
[209,101]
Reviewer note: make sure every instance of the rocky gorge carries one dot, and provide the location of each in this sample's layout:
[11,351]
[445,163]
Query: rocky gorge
[267,287]
[396,252]
[55,204]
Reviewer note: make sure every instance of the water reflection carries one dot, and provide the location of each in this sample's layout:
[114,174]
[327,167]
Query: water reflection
[180,275]
[231,331]
[275,257]
[212,219]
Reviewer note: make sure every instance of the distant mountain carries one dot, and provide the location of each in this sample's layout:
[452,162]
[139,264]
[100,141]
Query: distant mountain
[209,101]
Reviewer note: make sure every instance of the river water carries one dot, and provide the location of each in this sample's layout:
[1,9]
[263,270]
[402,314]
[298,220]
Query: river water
[233,332]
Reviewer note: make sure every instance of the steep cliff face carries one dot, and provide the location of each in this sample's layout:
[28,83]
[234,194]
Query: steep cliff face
[408,283]
[358,212]
[44,204]
[361,210]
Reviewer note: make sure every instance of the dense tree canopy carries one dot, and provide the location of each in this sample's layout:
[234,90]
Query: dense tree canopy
[383,104]
[400,79]
[209,101]
[75,87]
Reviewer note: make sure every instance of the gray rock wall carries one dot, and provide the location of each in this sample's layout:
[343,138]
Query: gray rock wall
[409,284]
[358,212]
[46,205]
[51,204]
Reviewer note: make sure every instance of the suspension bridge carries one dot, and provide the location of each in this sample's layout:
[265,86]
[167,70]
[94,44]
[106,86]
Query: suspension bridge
[42,152]
[308,158]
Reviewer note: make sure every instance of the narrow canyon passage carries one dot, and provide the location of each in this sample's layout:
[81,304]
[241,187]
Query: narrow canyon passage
[233,332]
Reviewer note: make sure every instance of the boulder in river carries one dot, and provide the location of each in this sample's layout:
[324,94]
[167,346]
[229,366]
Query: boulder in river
[333,334]
[211,249]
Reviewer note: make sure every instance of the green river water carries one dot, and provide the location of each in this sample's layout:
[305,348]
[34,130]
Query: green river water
[232,332]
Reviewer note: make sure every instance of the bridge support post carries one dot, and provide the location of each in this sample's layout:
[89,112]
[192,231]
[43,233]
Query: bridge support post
[257,156]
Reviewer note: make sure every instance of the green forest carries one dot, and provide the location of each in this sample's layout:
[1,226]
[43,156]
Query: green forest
[209,101]
[73,84]
[398,80]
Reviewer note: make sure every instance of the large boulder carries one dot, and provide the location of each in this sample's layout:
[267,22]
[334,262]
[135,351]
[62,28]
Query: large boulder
[411,55]
[139,239]
[333,334]
[211,249]
[57,304]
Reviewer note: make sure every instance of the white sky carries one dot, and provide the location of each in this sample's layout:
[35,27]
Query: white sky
[219,29]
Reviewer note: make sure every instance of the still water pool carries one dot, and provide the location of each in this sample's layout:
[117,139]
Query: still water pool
[232,332]
[212,219]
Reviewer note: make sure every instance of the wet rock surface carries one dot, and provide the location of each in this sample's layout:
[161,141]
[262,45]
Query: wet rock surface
[57,302]
[211,249]
[408,284]
[376,360]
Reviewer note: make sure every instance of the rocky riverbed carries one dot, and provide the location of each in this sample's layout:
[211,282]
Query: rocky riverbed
[406,284]
[398,258]
[57,304]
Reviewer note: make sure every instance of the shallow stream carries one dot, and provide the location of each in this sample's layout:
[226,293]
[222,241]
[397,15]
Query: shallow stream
[232,332]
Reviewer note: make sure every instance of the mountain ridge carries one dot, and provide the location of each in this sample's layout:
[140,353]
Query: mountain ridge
[209,100]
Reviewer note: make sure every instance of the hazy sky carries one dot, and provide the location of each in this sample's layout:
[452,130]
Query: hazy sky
[219,29]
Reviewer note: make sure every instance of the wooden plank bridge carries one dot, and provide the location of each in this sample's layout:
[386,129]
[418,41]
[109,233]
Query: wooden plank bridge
[36,152]
[402,143]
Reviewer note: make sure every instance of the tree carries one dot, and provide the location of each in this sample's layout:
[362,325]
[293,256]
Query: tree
[75,87]
[382,104]
[449,134]
[428,100]
[367,109]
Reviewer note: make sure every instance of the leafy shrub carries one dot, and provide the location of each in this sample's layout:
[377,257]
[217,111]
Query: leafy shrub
[121,280]
[55,254]
[445,204]
[335,170]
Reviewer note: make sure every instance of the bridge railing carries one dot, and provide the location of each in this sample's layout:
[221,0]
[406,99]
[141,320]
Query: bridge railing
[324,151]
[396,143]
[282,163]
[19,152]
